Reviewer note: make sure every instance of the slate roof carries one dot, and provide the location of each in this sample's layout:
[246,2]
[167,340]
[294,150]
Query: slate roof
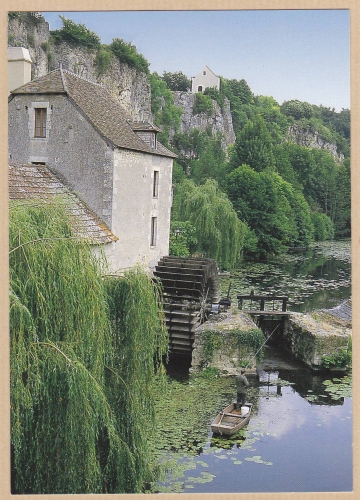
[36,183]
[104,112]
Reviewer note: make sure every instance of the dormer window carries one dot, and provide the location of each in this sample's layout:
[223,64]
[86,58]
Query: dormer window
[153,140]
[40,122]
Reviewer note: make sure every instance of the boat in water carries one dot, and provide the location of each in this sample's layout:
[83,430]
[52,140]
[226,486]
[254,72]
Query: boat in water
[231,419]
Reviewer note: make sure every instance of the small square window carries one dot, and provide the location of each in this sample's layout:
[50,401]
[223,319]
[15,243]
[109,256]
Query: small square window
[40,122]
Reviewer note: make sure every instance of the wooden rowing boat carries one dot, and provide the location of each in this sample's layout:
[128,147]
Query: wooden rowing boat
[231,420]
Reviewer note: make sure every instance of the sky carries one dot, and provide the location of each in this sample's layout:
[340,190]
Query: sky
[285,54]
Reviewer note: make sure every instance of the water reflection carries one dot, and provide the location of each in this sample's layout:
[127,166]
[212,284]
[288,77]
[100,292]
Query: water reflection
[299,438]
[316,278]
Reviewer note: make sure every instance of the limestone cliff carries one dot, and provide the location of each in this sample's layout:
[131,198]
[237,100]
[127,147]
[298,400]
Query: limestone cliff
[312,139]
[219,120]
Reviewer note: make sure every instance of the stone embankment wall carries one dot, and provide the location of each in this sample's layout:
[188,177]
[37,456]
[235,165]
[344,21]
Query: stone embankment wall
[216,344]
[310,338]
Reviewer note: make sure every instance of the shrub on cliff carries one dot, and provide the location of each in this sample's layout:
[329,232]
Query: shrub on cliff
[75,34]
[127,53]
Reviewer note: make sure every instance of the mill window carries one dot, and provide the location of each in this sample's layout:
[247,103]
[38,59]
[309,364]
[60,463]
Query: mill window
[153,237]
[40,122]
[156,184]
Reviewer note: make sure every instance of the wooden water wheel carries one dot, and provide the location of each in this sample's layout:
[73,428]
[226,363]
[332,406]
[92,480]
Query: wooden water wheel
[190,287]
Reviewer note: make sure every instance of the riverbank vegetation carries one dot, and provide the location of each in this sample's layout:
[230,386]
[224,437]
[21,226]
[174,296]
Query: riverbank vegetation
[287,194]
[287,190]
[85,355]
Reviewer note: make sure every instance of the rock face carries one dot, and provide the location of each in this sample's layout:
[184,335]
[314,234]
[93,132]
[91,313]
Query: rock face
[312,139]
[129,86]
[33,35]
[220,120]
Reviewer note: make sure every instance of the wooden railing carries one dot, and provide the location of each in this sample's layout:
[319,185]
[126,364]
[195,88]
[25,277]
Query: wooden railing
[261,300]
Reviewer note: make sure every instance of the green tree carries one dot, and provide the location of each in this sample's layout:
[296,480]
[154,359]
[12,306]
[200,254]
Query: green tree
[303,163]
[323,226]
[324,180]
[254,146]
[276,122]
[167,115]
[284,167]
[297,109]
[220,234]
[341,204]
[85,353]
[182,238]
[102,60]
[237,91]
[211,163]
[177,81]
[190,145]
[202,104]
[241,101]
[266,203]
[178,174]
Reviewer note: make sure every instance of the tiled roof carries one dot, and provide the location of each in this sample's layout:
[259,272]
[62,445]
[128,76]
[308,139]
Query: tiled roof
[143,126]
[98,105]
[35,184]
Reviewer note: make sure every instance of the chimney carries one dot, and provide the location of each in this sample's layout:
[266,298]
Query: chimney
[19,67]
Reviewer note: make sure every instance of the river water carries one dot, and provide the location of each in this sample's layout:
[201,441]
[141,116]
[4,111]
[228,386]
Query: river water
[299,438]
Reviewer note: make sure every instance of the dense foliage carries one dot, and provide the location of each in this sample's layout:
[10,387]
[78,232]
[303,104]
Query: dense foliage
[287,193]
[203,104]
[167,115]
[219,232]
[127,53]
[84,356]
[75,34]
[177,81]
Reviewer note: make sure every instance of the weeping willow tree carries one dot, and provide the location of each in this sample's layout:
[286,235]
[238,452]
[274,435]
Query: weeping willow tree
[85,354]
[220,233]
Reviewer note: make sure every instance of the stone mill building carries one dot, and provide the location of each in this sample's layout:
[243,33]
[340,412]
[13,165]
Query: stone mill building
[79,132]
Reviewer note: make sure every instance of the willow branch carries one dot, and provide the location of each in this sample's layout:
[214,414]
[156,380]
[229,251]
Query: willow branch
[54,347]
[46,239]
